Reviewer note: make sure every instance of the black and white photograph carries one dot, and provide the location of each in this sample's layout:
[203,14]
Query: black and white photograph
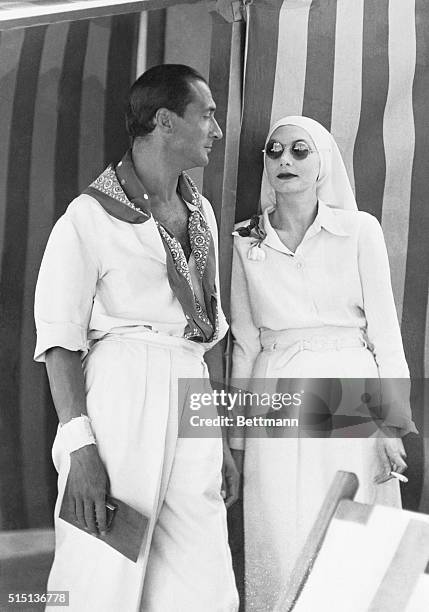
[214,326]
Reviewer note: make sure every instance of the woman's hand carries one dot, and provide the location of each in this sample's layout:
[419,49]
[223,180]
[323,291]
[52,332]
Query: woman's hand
[391,453]
[230,477]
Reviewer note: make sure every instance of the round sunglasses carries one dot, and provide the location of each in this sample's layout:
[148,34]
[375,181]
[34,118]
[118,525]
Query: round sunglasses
[299,149]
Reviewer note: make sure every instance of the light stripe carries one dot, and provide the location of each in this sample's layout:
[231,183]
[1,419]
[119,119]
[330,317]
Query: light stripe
[399,138]
[141,45]
[289,85]
[41,212]
[91,140]
[347,89]
[10,49]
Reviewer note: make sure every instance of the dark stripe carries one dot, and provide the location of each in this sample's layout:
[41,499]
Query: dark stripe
[259,78]
[416,275]
[10,48]
[34,392]
[369,158]
[319,75]
[91,145]
[155,37]
[69,104]
[12,277]
[121,69]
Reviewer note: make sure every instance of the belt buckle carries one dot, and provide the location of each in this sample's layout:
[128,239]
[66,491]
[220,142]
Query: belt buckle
[319,343]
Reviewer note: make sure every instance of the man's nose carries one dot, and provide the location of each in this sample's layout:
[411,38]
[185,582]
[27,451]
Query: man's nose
[216,131]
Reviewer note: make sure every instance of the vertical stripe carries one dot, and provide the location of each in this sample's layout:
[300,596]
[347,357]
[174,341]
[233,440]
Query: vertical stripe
[347,85]
[408,563]
[188,36]
[35,404]
[142,44]
[426,359]
[416,279]
[12,266]
[121,72]
[369,158]
[398,131]
[91,139]
[156,25]
[320,61]
[70,91]
[288,95]
[10,48]
[260,76]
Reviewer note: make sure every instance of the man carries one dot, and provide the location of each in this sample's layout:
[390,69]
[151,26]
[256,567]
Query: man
[127,302]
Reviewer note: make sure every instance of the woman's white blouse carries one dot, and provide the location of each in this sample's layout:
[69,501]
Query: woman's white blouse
[339,275]
[99,274]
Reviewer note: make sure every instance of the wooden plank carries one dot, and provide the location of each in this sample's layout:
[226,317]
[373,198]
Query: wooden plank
[353,511]
[344,486]
[401,577]
[25,14]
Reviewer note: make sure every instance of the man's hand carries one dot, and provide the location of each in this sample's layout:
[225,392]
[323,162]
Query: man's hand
[88,484]
[392,455]
[230,477]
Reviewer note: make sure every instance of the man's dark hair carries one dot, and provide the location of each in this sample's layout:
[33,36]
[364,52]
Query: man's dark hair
[164,86]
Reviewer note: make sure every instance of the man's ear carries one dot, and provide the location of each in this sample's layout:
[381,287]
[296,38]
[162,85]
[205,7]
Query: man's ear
[163,119]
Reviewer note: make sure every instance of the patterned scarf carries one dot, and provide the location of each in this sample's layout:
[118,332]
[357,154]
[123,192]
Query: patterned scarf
[122,195]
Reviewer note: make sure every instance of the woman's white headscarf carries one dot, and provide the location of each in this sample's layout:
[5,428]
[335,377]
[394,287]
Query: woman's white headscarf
[333,185]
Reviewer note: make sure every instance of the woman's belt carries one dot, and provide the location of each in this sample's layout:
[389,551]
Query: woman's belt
[326,338]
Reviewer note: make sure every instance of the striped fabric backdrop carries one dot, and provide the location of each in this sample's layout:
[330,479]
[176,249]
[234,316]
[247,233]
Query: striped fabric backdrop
[361,68]
[62,88]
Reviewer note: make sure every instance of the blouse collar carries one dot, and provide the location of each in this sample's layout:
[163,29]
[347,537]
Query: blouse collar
[325,218]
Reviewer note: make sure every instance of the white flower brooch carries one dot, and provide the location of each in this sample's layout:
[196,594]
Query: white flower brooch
[253,230]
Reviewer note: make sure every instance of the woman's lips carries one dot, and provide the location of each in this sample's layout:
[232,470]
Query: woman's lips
[284,176]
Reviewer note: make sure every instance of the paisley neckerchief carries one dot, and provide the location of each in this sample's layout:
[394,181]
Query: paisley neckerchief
[123,196]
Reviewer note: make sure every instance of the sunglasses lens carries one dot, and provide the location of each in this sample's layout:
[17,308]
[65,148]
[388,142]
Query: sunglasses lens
[300,150]
[274,149]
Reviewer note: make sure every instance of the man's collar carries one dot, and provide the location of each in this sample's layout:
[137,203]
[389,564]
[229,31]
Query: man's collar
[139,195]
[122,194]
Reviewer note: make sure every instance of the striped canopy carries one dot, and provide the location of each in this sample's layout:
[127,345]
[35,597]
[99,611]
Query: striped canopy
[360,68]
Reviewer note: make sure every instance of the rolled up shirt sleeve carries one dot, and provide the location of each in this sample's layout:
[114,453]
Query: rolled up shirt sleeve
[65,288]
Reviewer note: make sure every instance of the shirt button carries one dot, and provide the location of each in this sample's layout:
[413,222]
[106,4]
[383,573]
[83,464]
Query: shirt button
[120,164]
[299,265]
[123,182]
[146,197]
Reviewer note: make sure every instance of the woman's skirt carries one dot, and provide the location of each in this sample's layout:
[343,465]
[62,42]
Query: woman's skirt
[185,563]
[286,478]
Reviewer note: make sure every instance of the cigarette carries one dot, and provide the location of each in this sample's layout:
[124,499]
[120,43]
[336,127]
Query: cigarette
[400,477]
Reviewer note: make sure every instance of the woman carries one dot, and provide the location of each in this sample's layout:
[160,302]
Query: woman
[311,297]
